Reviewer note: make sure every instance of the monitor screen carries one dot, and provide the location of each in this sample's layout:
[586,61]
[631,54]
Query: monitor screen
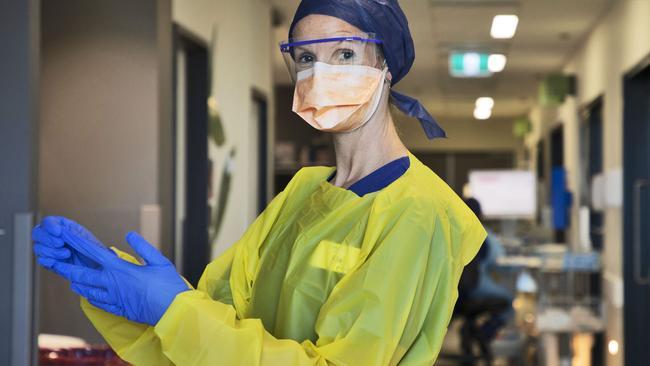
[505,194]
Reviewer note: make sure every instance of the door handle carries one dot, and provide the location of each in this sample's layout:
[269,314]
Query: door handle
[638,189]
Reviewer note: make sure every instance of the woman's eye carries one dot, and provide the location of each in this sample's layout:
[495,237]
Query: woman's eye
[305,58]
[346,56]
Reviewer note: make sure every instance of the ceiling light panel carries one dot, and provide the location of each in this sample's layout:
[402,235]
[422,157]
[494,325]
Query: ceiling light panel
[504,26]
[482,113]
[484,103]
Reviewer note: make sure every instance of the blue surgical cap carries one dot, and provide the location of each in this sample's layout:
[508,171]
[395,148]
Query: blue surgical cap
[387,21]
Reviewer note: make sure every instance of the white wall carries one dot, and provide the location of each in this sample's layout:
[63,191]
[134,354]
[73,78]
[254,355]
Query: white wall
[619,42]
[243,61]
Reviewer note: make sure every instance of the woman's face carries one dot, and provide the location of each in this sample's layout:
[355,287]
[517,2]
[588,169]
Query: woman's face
[334,53]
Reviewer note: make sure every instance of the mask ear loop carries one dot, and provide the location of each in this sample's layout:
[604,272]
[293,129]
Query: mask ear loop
[387,79]
[384,65]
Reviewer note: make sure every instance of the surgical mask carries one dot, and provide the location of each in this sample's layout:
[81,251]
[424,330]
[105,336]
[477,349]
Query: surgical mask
[338,98]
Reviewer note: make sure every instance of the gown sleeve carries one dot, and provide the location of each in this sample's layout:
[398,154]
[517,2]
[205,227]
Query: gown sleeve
[134,342]
[393,308]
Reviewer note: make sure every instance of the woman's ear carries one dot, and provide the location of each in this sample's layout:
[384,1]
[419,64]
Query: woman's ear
[389,76]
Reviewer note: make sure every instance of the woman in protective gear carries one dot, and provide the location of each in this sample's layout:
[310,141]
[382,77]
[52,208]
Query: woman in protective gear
[356,264]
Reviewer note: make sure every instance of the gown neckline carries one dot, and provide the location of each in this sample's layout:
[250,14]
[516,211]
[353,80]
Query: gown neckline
[372,183]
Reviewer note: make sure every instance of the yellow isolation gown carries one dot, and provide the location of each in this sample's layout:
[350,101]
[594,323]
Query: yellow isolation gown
[322,277]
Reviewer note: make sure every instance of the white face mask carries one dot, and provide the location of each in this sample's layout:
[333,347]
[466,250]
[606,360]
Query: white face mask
[338,98]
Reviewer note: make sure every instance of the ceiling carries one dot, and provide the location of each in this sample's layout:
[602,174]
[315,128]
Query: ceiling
[549,31]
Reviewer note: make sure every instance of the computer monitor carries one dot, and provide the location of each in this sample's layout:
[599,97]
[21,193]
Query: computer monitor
[505,194]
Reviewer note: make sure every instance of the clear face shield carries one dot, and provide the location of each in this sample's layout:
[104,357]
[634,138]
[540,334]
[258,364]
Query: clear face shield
[301,54]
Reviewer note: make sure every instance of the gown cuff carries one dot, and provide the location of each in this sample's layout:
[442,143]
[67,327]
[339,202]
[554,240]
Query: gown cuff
[182,314]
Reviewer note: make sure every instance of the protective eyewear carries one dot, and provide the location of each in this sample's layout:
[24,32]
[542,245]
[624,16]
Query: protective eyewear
[301,54]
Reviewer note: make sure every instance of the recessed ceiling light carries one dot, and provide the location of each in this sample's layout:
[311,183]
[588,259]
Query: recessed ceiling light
[612,347]
[504,26]
[482,113]
[497,62]
[484,103]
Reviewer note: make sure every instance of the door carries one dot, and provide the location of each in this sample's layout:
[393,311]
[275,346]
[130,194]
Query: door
[557,162]
[541,179]
[259,124]
[636,216]
[192,167]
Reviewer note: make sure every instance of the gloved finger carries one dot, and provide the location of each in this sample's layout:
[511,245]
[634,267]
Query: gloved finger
[88,247]
[47,263]
[53,225]
[113,309]
[49,252]
[40,234]
[83,275]
[78,229]
[92,293]
[148,252]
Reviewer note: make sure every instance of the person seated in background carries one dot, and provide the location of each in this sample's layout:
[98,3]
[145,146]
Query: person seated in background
[485,289]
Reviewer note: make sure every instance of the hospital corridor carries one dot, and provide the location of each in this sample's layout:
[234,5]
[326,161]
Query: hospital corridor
[325,182]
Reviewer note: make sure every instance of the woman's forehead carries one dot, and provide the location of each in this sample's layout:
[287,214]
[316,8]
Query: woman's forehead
[317,26]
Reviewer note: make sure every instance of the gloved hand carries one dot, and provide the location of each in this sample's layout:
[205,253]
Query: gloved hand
[48,242]
[138,293]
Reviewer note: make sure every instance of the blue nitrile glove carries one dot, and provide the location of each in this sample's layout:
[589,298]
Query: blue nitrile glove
[48,242]
[140,293]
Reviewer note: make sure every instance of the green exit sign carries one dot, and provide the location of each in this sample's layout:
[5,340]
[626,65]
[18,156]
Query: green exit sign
[469,65]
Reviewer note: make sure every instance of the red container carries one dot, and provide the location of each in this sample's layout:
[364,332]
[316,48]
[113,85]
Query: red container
[89,356]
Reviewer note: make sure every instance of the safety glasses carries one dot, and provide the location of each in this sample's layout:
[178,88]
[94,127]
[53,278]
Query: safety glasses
[301,54]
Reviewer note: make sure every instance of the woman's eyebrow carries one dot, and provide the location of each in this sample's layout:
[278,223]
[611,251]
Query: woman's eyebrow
[312,47]
[301,49]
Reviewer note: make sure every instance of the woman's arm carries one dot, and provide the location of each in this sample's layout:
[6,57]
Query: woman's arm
[134,342]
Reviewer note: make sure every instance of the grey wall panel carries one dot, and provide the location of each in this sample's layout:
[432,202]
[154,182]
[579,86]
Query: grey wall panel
[18,126]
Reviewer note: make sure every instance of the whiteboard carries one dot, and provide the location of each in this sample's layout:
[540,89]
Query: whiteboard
[505,193]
